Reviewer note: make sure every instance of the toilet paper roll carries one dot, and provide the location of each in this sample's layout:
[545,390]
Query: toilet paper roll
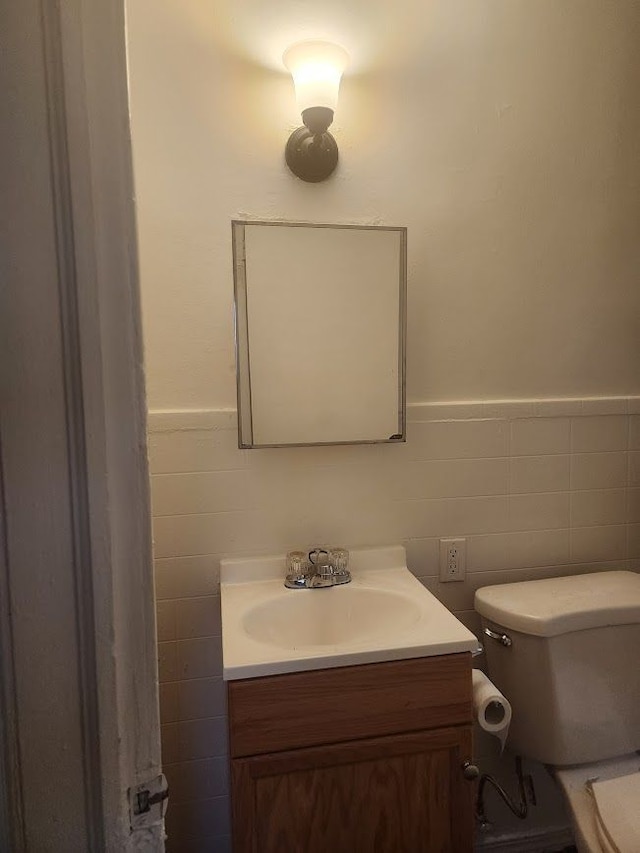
[492,709]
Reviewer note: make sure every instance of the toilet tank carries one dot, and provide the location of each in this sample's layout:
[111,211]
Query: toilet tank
[572,670]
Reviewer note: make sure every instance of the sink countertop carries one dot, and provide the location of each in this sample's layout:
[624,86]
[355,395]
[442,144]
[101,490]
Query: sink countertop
[252,587]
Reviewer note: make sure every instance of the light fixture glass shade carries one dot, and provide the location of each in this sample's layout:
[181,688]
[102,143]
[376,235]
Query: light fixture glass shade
[316,68]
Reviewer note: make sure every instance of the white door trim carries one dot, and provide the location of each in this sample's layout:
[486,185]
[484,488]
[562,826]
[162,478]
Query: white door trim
[72,292]
[78,440]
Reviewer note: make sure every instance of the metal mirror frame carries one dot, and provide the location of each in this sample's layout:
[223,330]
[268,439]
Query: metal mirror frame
[241,329]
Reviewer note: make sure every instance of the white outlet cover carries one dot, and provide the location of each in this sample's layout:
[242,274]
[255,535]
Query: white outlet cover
[453,569]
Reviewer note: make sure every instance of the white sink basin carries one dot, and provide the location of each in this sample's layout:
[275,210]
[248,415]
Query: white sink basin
[384,614]
[330,617]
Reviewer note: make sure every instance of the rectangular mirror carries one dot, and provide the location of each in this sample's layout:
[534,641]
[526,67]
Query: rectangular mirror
[320,333]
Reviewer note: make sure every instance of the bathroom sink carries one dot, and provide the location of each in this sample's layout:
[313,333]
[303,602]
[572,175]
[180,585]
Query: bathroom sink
[384,614]
[328,617]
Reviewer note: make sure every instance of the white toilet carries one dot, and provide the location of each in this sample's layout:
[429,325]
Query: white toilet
[566,653]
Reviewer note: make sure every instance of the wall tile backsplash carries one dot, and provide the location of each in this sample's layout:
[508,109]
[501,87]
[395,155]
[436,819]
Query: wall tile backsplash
[536,489]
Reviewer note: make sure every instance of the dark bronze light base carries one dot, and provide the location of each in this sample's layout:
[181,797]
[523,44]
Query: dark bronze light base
[311,156]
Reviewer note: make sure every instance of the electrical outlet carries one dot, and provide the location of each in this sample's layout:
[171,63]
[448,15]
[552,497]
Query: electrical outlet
[453,559]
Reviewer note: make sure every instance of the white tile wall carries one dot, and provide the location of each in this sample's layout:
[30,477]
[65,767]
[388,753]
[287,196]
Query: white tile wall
[536,489]
[539,474]
[599,433]
[540,436]
[598,470]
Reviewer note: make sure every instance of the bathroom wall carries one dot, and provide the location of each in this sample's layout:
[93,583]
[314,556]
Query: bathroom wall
[535,496]
[503,134]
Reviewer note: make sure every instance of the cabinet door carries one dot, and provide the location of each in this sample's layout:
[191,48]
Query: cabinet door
[399,794]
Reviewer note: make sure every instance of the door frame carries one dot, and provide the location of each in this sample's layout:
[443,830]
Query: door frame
[77,71]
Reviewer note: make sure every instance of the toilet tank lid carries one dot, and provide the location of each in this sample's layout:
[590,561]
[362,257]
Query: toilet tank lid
[546,608]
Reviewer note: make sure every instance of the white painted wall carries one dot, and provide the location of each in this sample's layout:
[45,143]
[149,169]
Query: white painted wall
[504,134]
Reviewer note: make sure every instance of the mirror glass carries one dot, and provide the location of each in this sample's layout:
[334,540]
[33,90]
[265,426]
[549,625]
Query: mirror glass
[320,333]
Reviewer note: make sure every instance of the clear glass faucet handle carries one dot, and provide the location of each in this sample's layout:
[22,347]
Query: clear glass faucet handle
[297,563]
[339,559]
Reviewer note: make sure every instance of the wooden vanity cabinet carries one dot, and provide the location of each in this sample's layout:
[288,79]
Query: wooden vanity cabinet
[360,759]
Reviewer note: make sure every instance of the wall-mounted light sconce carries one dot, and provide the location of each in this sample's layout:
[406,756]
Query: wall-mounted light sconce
[316,68]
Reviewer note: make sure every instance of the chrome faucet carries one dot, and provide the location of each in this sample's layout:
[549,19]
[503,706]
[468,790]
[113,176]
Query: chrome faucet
[320,568]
